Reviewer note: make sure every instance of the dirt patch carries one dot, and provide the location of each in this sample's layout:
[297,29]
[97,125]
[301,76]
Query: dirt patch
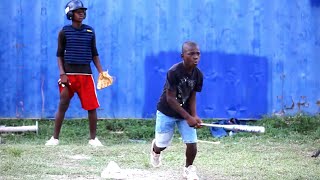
[140,174]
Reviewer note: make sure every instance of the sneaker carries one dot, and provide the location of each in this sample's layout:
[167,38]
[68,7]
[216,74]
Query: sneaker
[52,142]
[155,159]
[95,142]
[190,173]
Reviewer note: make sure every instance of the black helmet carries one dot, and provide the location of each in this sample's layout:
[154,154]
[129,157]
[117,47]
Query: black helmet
[72,6]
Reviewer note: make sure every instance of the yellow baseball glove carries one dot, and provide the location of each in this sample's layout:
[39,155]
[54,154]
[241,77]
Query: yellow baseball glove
[104,80]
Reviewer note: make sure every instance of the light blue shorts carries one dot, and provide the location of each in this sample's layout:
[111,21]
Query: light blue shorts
[165,126]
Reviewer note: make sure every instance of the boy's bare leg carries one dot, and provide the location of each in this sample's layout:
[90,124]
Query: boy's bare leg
[63,107]
[156,149]
[191,152]
[92,116]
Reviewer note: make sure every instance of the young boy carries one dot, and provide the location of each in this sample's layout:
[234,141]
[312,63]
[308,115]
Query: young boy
[177,106]
[76,50]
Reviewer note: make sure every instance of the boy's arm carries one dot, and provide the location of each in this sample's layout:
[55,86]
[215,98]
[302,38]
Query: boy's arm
[60,58]
[175,105]
[97,64]
[193,106]
[60,52]
[60,65]
[192,103]
[95,54]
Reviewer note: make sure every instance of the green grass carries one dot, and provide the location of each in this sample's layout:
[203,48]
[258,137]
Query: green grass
[283,152]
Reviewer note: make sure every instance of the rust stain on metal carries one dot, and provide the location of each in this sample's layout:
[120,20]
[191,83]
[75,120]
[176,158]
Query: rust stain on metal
[302,102]
[292,104]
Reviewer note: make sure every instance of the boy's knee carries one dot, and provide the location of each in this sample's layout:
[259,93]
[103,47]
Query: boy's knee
[192,146]
[163,140]
[64,103]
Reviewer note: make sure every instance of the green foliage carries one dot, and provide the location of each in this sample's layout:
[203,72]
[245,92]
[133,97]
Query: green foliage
[290,125]
[132,128]
[14,152]
[123,129]
[282,152]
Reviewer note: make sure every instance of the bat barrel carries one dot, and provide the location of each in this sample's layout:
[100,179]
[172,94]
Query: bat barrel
[258,129]
[245,128]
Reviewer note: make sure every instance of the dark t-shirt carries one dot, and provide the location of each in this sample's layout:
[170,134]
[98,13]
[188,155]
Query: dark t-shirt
[184,83]
[75,68]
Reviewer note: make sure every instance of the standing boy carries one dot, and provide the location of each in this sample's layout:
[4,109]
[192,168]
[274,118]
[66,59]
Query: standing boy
[76,50]
[177,106]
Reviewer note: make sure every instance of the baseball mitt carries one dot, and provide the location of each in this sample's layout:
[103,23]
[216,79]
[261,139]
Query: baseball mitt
[104,80]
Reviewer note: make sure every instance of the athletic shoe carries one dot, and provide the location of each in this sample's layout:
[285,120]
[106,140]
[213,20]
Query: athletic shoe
[52,142]
[95,142]
[190,173]
[155,159]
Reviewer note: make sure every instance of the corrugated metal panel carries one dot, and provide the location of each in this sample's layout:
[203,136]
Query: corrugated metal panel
[257,56]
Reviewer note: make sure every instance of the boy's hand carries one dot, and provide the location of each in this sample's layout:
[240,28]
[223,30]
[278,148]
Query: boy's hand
[199,121]
[194,121]
[64,80]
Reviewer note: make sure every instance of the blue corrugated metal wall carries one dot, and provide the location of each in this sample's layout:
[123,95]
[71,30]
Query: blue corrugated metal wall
[258,57]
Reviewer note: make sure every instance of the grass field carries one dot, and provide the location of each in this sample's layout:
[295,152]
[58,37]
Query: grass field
[283,152]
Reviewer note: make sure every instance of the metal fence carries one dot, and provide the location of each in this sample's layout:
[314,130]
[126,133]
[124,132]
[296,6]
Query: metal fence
[258,57]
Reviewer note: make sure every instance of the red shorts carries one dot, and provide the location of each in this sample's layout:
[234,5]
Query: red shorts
[85,87]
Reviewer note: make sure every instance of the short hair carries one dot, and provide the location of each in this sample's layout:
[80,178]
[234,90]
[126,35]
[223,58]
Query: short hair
[190,43]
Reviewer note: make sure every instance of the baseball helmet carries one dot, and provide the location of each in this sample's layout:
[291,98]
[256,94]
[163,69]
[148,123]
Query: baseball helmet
[72,6]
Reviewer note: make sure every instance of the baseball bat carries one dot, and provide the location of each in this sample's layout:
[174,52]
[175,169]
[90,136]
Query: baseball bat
[245,128]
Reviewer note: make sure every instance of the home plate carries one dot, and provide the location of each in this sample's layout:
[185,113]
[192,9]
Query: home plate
[113,171]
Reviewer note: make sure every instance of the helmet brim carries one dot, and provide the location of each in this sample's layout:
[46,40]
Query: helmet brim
[80,8]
